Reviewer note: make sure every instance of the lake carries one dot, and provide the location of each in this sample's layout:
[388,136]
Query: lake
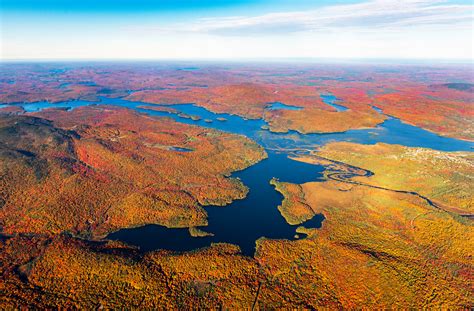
[244,221]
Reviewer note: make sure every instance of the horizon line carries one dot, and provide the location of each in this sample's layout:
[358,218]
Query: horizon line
[368,60]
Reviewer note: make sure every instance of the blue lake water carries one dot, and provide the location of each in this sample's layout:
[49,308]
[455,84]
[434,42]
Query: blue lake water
[244,221]
[377,109]
[392,131]
[279,106]
[180,149]
[331,101]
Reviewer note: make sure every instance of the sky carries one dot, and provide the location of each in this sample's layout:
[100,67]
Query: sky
[236,29]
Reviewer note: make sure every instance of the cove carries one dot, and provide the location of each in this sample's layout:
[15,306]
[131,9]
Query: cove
[243,221]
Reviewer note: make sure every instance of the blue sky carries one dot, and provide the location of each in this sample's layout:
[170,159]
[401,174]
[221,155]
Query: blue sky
[230,29]
[158,6]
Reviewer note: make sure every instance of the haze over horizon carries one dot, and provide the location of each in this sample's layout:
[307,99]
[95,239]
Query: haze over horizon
[239,29]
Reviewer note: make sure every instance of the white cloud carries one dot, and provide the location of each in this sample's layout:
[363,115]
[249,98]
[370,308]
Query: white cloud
[371,16]
[372,29]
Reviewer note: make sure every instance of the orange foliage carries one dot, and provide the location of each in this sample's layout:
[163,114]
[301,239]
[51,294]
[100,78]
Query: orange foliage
[312,120]
[98,169]
[247,100]
[421,95]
